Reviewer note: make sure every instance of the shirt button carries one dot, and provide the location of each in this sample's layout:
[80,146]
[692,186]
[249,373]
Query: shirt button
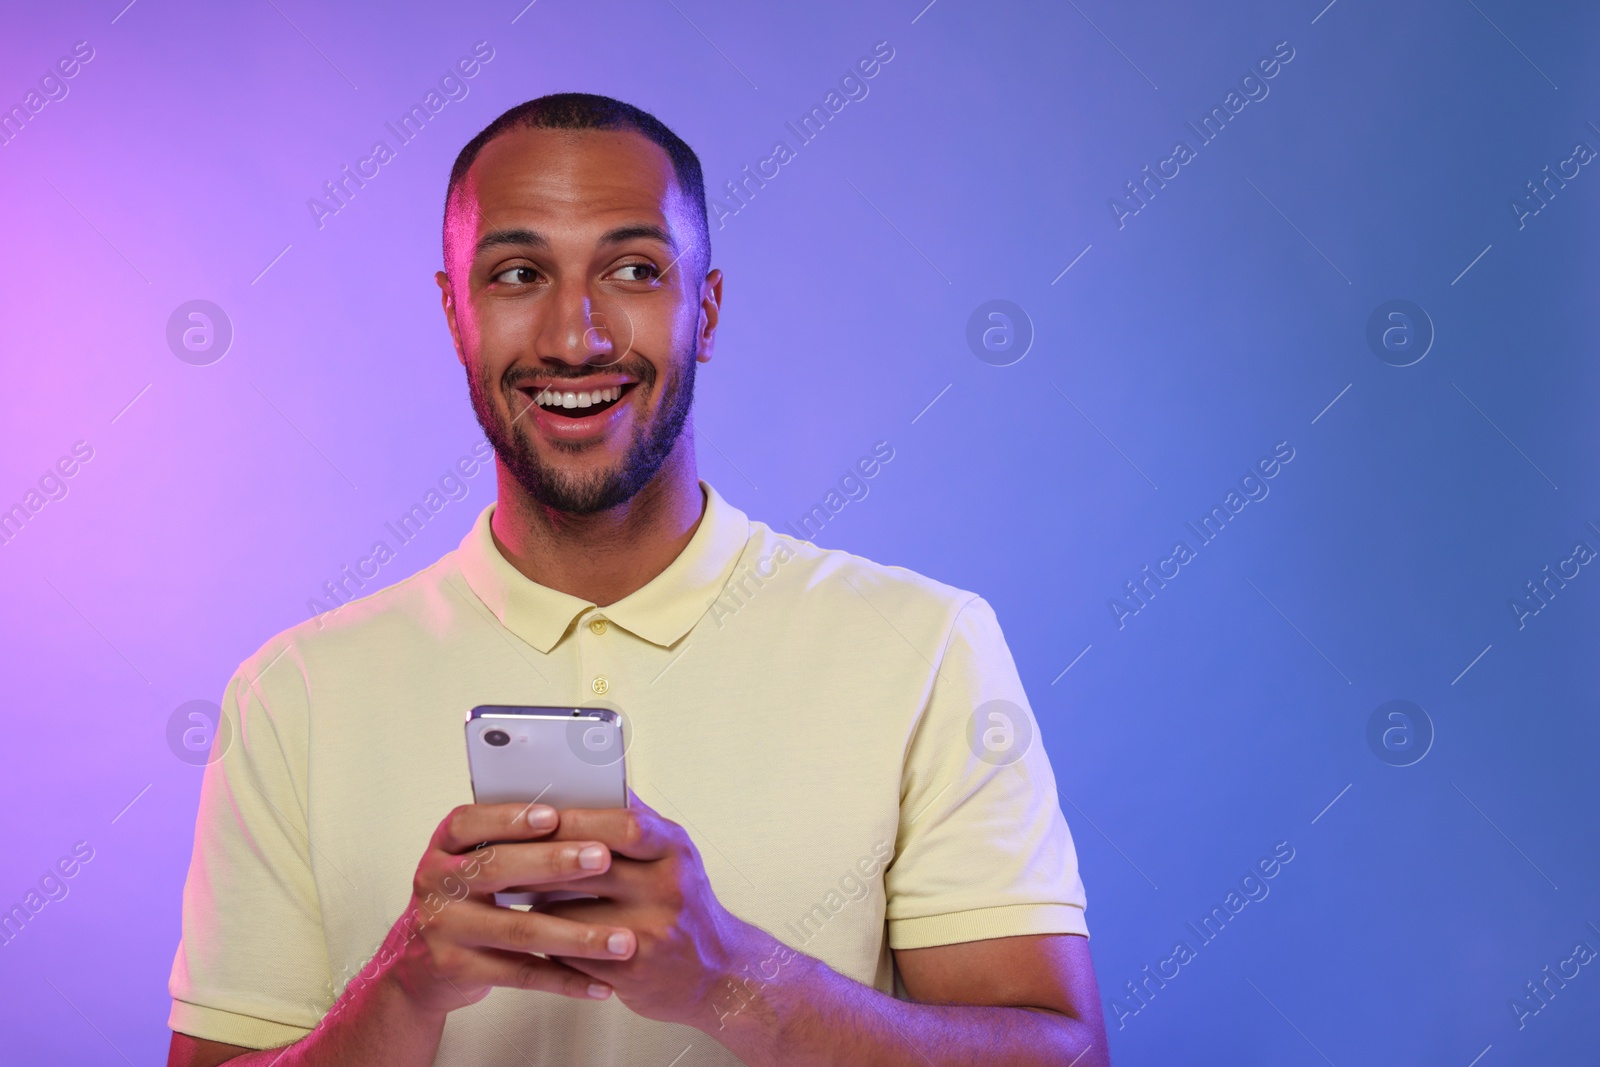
[600,685]
[598,626]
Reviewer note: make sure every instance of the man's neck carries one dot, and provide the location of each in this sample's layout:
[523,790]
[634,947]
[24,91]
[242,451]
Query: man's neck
[601,558]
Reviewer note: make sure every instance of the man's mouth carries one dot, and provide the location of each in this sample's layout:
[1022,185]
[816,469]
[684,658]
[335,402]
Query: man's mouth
[578,403]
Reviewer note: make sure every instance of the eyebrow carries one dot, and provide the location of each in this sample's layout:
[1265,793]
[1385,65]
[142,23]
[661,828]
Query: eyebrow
[534,239]
[497,238]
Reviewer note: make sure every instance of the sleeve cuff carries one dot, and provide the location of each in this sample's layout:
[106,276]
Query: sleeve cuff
[246,1031]
[1011,920]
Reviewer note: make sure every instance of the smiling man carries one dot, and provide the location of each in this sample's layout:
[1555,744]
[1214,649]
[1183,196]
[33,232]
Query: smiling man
[831,855]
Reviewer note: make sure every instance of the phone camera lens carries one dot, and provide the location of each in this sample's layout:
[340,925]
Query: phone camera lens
[496,738]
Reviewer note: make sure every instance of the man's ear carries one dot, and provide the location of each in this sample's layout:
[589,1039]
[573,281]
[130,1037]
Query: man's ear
[710,311]
[447,298]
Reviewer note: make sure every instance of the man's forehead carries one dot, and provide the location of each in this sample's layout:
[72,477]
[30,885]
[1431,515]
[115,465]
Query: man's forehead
[543,179]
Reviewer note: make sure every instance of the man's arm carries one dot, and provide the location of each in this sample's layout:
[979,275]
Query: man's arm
[1013,1000]
[375,1022]
[451,947]
[681,957]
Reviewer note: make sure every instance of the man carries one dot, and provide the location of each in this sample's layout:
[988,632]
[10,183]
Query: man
[819,817]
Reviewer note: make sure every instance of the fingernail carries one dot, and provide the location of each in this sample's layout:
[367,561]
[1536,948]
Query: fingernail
[598,991]
[541,816]
[592,857]
[617,944]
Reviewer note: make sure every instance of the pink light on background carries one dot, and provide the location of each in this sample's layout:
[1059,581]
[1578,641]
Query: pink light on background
[201,483]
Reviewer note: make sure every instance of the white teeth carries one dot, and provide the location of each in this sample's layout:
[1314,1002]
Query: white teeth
[555,399]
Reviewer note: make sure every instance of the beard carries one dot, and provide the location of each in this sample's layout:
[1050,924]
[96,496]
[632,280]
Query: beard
[652,442]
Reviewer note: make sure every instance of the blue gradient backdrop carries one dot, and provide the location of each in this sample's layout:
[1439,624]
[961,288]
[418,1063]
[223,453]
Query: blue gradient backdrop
[1230,713]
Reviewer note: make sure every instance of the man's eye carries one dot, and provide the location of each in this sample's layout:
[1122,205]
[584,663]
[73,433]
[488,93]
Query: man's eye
[647,272]
[515,275]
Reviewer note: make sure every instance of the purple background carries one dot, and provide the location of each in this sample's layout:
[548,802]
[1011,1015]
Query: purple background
[1221,319]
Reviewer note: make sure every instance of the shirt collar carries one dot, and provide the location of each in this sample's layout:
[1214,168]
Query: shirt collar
[661,612]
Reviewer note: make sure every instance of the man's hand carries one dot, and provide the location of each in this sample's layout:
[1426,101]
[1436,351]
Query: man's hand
[688,944]
[658,937]
[454,943]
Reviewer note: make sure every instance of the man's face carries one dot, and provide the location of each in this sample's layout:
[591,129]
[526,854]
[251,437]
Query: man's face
[574,298]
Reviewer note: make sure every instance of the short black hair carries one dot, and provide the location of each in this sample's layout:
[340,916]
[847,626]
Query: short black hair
[588,111]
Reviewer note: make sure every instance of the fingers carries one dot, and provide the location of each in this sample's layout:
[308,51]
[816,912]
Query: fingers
[471,825]
[533,864]
[624,882]
[517,970]
[509,930]
[636,831]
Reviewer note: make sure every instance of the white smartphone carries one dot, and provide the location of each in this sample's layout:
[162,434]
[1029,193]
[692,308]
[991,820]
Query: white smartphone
[565,757]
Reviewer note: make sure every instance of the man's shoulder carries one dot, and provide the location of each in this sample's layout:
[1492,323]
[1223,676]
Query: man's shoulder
[808,569]
[384,619]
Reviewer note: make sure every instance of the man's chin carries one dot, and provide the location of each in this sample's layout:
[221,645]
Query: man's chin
[595,472]
[576,489]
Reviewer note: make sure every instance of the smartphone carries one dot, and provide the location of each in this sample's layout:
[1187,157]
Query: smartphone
[566,757]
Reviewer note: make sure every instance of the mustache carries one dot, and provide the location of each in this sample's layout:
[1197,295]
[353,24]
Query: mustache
[635,367]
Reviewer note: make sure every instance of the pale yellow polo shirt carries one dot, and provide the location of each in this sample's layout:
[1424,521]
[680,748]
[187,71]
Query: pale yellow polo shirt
[807,716]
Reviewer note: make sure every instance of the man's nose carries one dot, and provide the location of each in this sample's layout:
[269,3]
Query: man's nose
[574,330]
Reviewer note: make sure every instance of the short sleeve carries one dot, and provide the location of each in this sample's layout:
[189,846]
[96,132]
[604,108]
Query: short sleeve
[983,848]
[252,967]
